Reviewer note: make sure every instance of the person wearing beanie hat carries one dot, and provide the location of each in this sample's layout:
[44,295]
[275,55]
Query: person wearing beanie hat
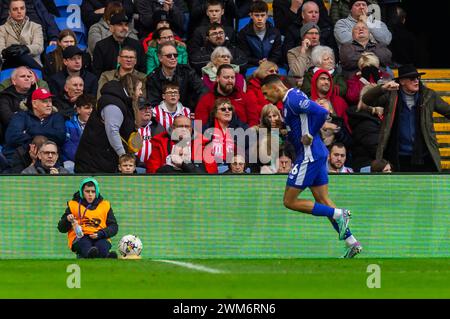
[359,12]
[299,58]
[89,222]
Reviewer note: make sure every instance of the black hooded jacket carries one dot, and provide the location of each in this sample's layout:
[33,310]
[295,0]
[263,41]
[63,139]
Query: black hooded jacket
[95,154]
[10,103]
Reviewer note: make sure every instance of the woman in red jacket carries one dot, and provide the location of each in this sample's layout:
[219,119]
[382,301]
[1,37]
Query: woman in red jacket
[254,94]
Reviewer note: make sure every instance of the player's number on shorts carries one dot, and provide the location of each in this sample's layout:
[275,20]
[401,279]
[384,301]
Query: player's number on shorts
[294,170]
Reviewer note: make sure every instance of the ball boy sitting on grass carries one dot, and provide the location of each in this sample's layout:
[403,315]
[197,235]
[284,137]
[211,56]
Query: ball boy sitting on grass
[94,214]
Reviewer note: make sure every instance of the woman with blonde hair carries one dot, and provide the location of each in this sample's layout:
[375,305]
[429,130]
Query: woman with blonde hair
[271,135]
[221,55]
[369,73]
[254,93]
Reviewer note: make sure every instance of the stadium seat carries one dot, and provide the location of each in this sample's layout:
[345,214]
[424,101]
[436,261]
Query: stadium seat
[5,74]
[365,169]
[50,48]
[80,31]
[244,21]
[62,5]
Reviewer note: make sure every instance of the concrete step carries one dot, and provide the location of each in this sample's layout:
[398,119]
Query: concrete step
[443,139]
[440,87]
[445,165]
[432,74]
[442,127]
[445,151]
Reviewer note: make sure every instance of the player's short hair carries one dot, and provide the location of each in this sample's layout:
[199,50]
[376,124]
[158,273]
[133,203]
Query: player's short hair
[270,79]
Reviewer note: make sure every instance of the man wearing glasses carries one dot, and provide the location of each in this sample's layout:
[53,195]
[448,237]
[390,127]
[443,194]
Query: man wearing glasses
[126,64]
[47,161]
[169,71]
[215,36]
[214,13]
[407,137]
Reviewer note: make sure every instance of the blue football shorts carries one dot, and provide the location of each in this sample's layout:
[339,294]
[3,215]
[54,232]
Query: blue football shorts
[305,174]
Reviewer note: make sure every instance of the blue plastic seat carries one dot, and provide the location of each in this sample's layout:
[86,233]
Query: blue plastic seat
[250,71]
[80,32]
[62,5]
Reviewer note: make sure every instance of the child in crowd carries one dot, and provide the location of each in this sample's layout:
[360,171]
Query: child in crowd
[127,164]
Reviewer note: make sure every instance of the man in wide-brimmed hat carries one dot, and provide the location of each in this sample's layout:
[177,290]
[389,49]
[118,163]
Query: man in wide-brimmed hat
[407,137]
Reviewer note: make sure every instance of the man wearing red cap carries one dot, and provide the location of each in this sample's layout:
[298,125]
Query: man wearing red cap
[38,120]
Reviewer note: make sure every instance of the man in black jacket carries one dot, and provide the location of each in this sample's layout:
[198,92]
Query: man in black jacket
[72,59]
[107,50]
[14,97]
[190,84]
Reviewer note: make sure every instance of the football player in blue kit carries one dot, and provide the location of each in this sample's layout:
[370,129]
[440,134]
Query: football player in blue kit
[304,119]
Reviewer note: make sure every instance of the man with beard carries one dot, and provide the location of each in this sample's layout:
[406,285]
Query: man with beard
[225,88]
[107,50]
[336,159]
[190,85]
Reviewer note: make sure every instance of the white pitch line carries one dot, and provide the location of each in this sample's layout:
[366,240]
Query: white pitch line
[192,266]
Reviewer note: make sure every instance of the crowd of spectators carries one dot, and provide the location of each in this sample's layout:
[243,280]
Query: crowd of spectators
[174,86]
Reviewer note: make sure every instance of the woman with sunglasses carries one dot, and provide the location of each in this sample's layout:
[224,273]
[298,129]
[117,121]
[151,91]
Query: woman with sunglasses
[221,55]
[223,143]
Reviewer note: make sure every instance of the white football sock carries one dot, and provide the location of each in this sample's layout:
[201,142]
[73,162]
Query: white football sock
[337,213]
[350,241]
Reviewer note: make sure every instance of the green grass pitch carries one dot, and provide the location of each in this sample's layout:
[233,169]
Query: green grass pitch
[255,279]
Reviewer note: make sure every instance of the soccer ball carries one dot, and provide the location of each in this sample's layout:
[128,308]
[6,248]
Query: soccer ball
[130,245]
